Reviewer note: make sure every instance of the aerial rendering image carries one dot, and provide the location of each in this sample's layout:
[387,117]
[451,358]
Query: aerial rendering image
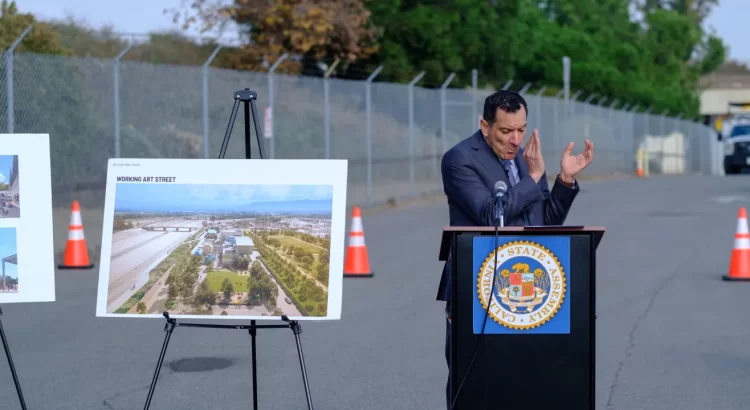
[9,260]
[10,198]
[237,250]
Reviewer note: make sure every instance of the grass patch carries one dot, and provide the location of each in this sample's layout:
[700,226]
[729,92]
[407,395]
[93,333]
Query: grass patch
[310,299]
[289,241]
[215,279]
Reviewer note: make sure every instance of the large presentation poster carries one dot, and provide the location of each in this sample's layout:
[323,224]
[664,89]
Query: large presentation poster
[531,293]
[27,265]
[223,239]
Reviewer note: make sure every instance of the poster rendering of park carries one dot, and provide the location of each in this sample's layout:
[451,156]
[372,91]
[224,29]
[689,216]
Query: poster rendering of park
[222,250]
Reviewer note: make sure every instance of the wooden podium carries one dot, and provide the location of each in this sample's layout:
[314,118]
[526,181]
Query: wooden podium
[549,366]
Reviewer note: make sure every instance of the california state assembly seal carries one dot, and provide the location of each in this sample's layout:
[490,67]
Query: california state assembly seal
[530,285]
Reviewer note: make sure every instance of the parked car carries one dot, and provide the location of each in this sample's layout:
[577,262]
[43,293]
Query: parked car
[737,149]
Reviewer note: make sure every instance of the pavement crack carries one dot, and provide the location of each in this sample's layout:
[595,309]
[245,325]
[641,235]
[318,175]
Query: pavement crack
[631,334]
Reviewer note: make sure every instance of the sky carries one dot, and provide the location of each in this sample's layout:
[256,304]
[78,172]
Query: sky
[160,197]
[6,162]
[729,19]
[126,16]
[8,248]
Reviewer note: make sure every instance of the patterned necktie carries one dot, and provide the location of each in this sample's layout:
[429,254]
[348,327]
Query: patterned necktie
[512,171]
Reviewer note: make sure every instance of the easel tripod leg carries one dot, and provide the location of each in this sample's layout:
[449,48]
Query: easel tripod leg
[11,365]
[297,329]
[253,333]
[168,328]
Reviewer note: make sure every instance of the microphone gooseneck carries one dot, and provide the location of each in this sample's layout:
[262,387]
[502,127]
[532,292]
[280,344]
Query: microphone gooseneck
[500,189]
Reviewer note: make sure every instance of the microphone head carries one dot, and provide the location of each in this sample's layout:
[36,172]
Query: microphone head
[500,188]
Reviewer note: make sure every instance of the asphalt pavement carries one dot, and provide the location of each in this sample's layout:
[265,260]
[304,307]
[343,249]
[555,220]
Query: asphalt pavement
[671,334]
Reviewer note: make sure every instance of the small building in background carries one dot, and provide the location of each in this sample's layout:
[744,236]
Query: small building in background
[208,247]
[244,245]
[227,256]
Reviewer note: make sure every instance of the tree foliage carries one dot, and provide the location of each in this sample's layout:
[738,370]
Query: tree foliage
[308,29]
[645,52]
[655,59]
[41,39]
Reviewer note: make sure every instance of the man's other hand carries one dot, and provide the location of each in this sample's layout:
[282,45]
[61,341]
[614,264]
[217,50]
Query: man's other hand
[571,166]
[532,153]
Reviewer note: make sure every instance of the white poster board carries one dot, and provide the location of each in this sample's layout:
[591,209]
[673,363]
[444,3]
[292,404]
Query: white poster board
[27,260]
[223,239]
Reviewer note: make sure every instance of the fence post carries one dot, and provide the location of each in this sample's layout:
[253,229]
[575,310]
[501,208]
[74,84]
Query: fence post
[271,77]
[368,129]
[507,84]
[474,86]
[327,108]
[116,69]
[443,114]
[410,88]
[525,88]
[204,75]
[9,77]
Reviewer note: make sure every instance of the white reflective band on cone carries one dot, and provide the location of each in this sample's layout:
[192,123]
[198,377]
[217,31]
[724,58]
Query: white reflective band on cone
[75,218]
[356,240]
[356,225]
[75,234]
[742,243]
[742,225]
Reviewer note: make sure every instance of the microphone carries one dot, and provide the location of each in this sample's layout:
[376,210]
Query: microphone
[500,189]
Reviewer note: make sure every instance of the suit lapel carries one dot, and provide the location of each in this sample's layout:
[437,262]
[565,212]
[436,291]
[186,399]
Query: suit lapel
[487,158]
[523,169]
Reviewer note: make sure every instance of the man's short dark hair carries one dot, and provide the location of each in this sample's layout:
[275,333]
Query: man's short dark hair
[505,100]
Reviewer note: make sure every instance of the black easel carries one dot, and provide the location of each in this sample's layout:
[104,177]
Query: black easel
[10,363]
[247,97]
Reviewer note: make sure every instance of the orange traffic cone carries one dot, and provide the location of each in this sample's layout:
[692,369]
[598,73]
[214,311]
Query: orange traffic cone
[357,264]
[76,251]
[739,266]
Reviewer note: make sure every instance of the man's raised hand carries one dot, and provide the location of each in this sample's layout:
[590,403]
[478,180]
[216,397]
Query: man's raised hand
[571,166]
[532,154]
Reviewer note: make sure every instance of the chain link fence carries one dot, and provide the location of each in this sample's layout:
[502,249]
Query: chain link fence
[394,149]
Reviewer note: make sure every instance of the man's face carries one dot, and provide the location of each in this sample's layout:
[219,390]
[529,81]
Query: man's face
[506,134]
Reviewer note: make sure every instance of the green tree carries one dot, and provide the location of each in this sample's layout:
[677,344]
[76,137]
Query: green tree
[311,29]
[204,296]
[227,288]
[322,272]
[41,39]
[141,308]
[172,290]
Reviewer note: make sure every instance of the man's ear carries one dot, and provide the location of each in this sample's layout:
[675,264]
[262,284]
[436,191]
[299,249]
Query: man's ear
[485,127]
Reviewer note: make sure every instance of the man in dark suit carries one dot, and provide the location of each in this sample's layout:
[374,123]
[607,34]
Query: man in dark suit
[472,167]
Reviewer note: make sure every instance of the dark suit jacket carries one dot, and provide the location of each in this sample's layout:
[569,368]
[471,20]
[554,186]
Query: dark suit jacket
[470,170]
